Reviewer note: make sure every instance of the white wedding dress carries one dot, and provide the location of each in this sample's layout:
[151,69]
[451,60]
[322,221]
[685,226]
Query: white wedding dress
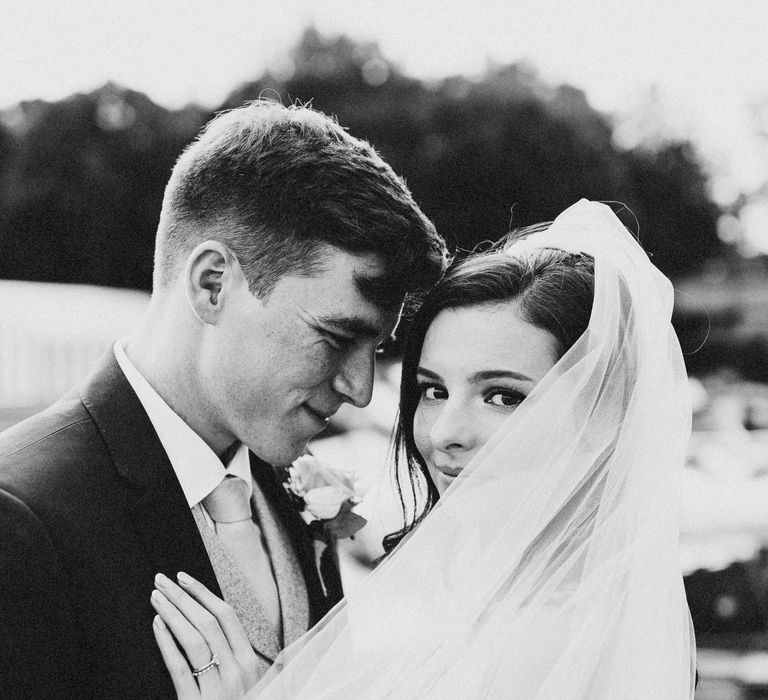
[550,567]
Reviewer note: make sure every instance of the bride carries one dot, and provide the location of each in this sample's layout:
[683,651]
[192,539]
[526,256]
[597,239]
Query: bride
[545,417]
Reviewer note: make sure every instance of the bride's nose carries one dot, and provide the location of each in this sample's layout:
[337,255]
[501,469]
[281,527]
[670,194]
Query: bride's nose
[452,430]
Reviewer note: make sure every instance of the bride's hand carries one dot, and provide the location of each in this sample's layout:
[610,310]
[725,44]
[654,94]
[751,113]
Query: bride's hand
[206,628]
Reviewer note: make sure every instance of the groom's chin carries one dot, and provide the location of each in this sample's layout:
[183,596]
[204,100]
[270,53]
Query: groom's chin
[281,455]
[283,441]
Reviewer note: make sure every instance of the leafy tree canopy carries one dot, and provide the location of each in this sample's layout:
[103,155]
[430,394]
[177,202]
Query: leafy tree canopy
[81,180]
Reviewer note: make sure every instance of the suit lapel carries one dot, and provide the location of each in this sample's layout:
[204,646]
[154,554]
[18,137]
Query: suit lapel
[173,543]
[160,512]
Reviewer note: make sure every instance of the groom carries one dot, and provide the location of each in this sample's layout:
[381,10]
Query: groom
[284,250]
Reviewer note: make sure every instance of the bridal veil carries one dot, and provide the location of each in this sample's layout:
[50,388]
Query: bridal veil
[549,569]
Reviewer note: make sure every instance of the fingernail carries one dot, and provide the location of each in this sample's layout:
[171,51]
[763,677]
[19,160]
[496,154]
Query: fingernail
[161,580]
[185,578]
[158,622]
[157,596]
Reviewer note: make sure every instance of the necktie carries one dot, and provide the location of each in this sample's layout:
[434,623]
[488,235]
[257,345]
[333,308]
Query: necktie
[230,509]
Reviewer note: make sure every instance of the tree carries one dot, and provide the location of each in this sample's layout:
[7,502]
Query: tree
[668,194]
[81,193]
[478,154]
[81,180]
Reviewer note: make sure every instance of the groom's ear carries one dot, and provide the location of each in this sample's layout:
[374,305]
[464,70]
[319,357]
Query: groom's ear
[209,277]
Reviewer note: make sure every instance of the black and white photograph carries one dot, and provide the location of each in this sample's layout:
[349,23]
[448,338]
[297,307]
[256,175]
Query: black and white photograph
[384,350]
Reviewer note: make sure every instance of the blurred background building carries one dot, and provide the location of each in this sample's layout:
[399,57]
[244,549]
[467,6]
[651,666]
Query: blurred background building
[52,335]
[82,178]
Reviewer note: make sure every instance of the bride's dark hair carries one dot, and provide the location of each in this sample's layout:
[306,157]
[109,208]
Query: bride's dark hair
[555,291]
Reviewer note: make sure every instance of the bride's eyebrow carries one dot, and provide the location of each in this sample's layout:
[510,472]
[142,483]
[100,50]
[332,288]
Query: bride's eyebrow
[429,375]
[500,374]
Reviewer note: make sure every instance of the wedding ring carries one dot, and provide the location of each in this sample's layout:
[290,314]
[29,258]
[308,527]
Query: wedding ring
[213,663]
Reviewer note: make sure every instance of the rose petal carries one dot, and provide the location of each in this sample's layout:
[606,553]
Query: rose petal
[305,469]
[325,502]
[360,488]
[309,473]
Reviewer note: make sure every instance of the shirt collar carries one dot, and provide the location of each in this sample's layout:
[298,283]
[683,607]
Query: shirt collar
[196,465]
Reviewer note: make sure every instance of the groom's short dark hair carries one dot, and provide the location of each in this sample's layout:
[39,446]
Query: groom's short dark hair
[275,184]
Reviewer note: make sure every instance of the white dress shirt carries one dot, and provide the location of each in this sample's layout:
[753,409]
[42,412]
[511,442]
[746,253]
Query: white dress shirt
[196,465]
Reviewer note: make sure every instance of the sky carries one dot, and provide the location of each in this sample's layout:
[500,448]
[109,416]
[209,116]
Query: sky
[701,64]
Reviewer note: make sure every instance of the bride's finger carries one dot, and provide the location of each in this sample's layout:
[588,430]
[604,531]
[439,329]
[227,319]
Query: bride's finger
[238,639]
[198,650]
[198,615]
[183,681]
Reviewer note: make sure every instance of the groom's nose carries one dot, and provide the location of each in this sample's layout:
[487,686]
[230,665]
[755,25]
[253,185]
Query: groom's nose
[354,380]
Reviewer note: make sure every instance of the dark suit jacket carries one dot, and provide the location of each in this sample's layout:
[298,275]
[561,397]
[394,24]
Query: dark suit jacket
[90,511]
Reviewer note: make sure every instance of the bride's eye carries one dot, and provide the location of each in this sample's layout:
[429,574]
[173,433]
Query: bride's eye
[432,392]
[506,398]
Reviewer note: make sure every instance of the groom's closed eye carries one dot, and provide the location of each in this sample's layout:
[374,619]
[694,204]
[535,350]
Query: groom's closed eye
[336,340]
[343,331]
[350,326]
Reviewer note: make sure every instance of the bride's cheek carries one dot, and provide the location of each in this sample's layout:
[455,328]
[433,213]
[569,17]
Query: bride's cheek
[422,424]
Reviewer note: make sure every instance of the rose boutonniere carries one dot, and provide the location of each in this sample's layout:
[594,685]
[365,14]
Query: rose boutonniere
[325,496]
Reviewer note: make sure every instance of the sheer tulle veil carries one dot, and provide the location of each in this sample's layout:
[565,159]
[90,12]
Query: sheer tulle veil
[550,567]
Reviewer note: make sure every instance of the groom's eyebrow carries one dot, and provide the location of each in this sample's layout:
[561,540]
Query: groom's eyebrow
[351,325]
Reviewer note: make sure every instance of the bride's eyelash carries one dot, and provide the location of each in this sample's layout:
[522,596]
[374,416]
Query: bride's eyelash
[424,386]
[517,397]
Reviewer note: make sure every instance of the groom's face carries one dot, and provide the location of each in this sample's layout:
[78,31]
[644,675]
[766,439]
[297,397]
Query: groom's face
[282,366]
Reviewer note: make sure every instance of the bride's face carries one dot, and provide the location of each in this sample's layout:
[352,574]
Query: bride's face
[476,367]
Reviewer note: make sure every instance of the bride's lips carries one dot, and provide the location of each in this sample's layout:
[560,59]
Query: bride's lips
[451,472]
